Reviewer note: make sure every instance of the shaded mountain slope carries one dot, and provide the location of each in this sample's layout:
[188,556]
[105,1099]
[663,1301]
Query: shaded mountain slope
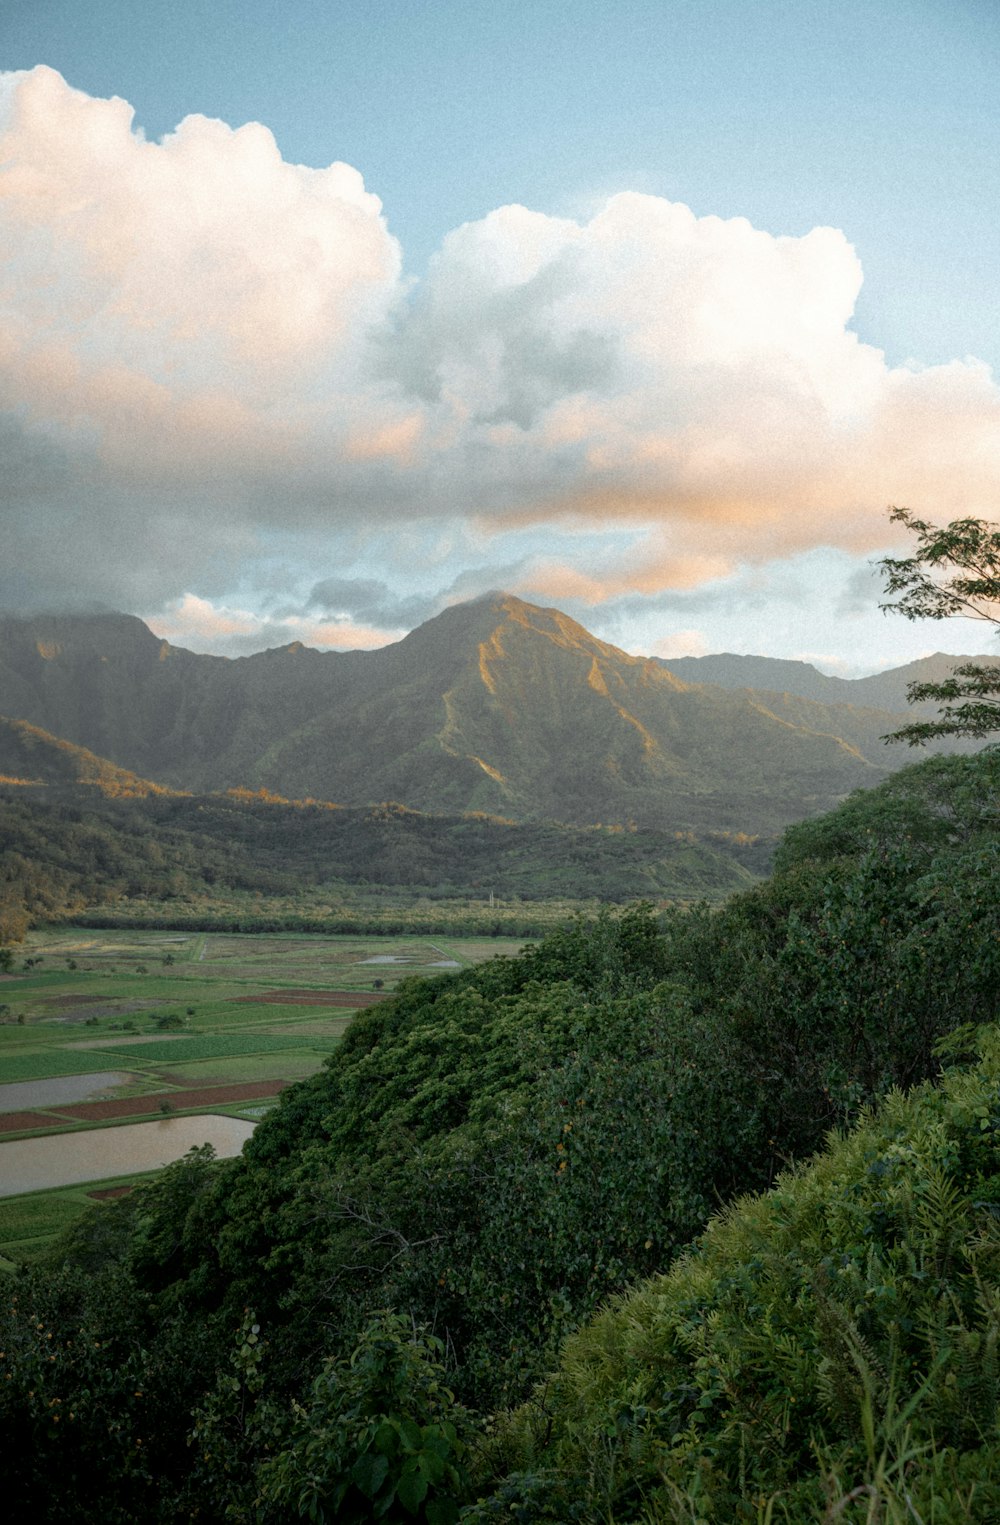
[519,710]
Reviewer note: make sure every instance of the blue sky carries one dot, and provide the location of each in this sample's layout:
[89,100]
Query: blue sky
[684,429]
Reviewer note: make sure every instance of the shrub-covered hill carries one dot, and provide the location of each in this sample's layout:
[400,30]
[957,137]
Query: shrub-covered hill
[490,1156]
[828,1351]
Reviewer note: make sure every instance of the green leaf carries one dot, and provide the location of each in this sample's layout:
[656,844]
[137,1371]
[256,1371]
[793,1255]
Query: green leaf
[386,1439]
[431,1465]
[411,1490]
[369,1472]
[412,1436]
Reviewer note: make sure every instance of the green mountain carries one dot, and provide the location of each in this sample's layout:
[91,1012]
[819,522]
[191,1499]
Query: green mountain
[495,705]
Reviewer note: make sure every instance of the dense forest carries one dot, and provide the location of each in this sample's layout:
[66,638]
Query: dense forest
[690,1217]
[69,846]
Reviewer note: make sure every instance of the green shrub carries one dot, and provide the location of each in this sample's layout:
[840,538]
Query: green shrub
[826,1345]
[377,1439]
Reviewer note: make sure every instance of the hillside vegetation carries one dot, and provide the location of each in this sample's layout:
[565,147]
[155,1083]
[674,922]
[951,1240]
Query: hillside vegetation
[71,846]
[395,1304]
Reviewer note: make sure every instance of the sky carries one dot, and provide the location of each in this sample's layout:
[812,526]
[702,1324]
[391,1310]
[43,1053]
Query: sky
[317,319]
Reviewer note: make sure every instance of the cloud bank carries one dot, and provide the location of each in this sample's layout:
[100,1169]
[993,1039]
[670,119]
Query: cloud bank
[217,384]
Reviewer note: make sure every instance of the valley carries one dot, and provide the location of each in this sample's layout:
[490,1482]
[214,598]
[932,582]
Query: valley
[289,1084]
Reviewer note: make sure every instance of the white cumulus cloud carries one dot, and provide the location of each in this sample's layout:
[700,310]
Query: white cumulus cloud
[205,349]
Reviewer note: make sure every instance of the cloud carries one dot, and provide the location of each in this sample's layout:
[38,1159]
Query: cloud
[206,352]
[681,643]
[199,625]
[370,600]
[862,591]
[200,261]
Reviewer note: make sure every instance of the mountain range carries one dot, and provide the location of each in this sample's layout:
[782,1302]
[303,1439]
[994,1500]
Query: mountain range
[881,690]
[496,706]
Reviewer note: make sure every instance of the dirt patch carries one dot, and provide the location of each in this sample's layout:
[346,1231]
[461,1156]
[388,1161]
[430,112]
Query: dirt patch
[127,1042]
[20,1122]
[78,1008]
[183,1082]
[339,998]
[105,1194]
[72,1000]
[177,1101]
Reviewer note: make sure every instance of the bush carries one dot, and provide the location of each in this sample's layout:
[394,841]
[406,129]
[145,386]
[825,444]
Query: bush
[377,1439]
[834,1338]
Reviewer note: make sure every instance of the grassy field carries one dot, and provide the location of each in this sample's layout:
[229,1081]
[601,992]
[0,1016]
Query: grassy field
[183,1020]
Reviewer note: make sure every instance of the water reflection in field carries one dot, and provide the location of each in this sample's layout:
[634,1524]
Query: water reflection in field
[35,1164]
[59,1089]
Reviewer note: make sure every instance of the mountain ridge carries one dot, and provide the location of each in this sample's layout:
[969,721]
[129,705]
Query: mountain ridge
[885,690]
[496,705]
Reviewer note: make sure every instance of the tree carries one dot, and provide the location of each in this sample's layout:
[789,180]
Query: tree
[955,570]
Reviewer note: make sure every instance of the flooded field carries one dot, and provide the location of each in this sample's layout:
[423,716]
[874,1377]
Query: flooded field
[220,1021]
[37,1164]
[59,1089]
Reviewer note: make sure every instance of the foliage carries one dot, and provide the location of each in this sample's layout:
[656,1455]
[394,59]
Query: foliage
[850,1317]
[937,806]
[968,549]
[67,849]
[91,1388]
[377,1439]
[236,1427]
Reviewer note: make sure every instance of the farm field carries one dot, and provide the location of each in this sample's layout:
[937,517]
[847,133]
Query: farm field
[113,1029]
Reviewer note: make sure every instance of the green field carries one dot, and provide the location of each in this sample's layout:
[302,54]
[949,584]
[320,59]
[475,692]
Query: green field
[178,1012]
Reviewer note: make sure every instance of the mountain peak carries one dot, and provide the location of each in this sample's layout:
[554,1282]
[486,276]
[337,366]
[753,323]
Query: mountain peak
[484,617]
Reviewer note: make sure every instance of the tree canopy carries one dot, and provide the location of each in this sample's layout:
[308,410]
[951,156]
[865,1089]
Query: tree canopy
[955,570]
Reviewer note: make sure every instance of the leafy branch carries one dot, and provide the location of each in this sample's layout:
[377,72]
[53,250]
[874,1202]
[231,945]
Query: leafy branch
[968,550]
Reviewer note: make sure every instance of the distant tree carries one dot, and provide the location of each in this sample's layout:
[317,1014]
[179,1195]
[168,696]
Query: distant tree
[955,570]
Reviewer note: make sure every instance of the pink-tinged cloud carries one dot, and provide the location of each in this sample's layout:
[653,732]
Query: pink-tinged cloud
[194,327]
[681,643]
[205,252]
[342,635]
[200,625]
[200,620]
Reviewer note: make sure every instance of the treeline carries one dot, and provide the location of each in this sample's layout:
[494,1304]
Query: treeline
[518,920]
[66,848]
[395,1304]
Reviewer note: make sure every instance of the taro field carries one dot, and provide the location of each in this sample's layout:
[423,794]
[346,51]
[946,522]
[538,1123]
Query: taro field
[113,1030]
